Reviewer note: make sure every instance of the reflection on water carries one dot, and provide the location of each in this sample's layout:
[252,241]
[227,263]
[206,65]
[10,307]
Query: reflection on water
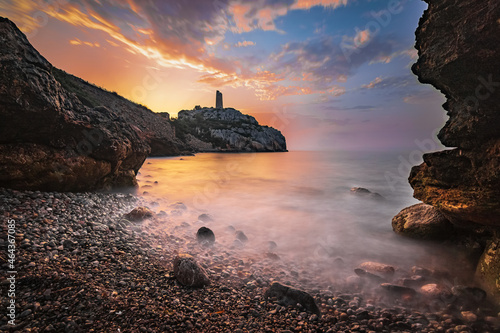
[300,200]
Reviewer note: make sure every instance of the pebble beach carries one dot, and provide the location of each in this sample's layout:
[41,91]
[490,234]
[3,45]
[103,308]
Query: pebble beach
[82,267]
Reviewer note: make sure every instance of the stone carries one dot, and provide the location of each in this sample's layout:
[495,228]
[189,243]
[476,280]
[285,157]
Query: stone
[365,193]
[422,221]
[240,235]
[205,218]
[205,236]
[378,268]
[286,295]
[433,290]
[488,268]
[398,290]
[188,272]
[139,214]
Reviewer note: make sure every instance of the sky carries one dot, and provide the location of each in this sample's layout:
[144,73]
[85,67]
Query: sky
[330,74]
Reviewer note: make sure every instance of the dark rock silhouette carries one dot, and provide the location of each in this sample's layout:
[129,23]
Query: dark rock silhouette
[189,273]
[459,46]
[49,140]
[287,295]
[205,236]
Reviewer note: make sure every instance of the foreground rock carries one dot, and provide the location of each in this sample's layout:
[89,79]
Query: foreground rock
[227,129]
[463,182]
[139,214]
[189,273]
[462,63]
[49,139]
[287,295]
[205,236]
[488,269]
[422,221]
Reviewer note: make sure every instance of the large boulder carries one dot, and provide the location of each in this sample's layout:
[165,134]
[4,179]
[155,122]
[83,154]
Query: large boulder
[422,221]
[49,140]
[188,272]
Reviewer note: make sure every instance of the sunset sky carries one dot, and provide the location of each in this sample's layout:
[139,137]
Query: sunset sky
[330,74]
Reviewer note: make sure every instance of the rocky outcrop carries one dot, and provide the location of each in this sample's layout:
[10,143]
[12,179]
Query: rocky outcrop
[49,140]
[153,127]
[212,129]
[459,46]
[422,221]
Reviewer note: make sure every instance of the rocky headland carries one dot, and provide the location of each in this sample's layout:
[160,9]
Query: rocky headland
[226,129]
[459,47]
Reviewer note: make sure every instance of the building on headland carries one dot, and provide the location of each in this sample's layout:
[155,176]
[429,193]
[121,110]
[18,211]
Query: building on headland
[218,100]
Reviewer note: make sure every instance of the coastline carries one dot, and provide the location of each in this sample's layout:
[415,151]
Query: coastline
[82,268]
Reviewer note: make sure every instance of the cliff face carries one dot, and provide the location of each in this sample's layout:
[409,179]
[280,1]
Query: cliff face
[49,140]
[459,51]
[155,128]
[209,129]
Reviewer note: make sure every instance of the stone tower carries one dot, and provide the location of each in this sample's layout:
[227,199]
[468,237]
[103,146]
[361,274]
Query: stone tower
[218,100]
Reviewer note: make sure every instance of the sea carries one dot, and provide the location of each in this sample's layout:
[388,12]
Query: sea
[298,205]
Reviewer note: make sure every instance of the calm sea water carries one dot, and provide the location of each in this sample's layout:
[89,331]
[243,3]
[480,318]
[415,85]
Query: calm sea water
[299,200]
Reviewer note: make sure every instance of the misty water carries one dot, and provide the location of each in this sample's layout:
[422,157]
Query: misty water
[299,200]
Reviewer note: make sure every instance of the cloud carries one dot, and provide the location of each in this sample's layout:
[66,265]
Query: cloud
[183,34]
[78,42]
[245,43]
[391,82]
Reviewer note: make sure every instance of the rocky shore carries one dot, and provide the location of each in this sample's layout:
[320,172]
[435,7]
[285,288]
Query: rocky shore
[83,266]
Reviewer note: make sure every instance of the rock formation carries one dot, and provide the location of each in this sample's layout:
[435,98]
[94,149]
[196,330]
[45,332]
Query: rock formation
[49,140]
[227,129]
[459,47]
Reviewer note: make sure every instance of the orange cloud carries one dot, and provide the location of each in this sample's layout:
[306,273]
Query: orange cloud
[245,43]
[77,41]
[372,84]
[306,4]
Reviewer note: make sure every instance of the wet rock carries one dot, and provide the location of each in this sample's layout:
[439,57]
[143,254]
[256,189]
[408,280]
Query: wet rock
[139,214]
[469,294]
[188,272]
[377,268]
[365,193]
[286,295]
[271,245]
[205,218]
[205,236]
[433,290]
[488,268]
[367,276]
[398,290]
[422,221]
[240,235]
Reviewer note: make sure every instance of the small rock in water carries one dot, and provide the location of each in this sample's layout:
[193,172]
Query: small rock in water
[434,290]
[205,236]
[287,295]
[139,214]
[271,245]
[365,193]
[398,290]
[386,271]
[188,272]
[205,218]
[240,235]
[422,221]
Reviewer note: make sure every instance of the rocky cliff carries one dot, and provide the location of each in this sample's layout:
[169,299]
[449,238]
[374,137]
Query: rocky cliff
[49,140]
[156,128]
[459,50]
[227,129]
